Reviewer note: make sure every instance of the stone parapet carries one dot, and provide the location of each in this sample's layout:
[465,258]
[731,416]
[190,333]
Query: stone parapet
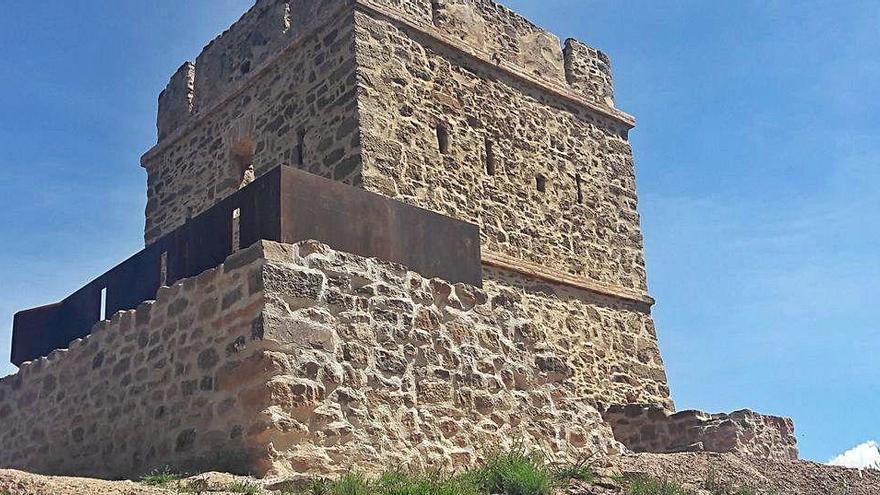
[474,26]
[644,428]
[588,71]
[176,101]
[297,109]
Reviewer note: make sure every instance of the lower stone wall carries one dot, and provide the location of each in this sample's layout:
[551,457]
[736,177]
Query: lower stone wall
[376,366]
[653,429]
[298,358]
[146,389]
[610,344]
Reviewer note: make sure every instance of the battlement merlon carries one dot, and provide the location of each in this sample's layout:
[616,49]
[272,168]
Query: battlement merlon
[483,29]
[176,101]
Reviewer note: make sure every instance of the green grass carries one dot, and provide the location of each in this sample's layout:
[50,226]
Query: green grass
[648,486]
[517,471]
[197,487]
[351,484]
[161,479]
[514,472]
[244,487]
[656,487]
[402,483]
[579,471]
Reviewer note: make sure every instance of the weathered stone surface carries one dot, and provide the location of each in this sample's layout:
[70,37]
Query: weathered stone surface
[364,386]
[653,429]
[379,122]
[283,114]
[393,392]
[121,404]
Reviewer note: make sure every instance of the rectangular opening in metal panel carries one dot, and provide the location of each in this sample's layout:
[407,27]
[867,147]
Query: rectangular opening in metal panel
[103,304]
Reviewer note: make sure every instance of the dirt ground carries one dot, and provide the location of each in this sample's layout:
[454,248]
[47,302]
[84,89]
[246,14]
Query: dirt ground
[691,470]
[778,477]
[20,483]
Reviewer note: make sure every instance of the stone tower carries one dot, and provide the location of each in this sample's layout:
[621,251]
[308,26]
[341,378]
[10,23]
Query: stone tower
[478,277]
[461,107]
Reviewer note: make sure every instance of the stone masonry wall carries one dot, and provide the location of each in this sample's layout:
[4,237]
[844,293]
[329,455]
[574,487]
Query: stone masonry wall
[397,88]
[379,367]
[652,429]
[481,26]
[589,71]
[300,111]
[611,344]
[503,137]
[298,358]
[151,387]
[548,183]
[276,88]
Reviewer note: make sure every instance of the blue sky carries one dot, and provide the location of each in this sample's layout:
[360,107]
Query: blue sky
[757,152]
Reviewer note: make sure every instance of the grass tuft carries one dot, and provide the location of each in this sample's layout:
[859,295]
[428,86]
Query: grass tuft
[318,486]
[351,484]
[580,471]
[161,478]
[514,472]
[650,486]
[402,483]
[517,471]
[245,487]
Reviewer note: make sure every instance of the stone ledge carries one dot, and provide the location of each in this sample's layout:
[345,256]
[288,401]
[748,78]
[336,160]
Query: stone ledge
[517,265]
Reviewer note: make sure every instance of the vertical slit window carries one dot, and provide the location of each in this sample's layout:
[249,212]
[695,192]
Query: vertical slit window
[435,11]
[490,157]
[103,304]
[236,229]
[300,151]
[541,183]
[580,188]
[443,139]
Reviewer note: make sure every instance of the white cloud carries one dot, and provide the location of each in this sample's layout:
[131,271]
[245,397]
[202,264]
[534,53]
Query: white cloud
[864,456]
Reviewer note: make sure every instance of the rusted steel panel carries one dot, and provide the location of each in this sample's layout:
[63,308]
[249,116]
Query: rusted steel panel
[32,332]
[360,222]
[285,205]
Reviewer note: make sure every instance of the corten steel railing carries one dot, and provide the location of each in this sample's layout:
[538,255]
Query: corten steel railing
[285,205]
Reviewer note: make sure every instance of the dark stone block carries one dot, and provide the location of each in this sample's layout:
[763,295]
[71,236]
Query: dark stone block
[231,298]
[185,440]
[177,307]
[208,359]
